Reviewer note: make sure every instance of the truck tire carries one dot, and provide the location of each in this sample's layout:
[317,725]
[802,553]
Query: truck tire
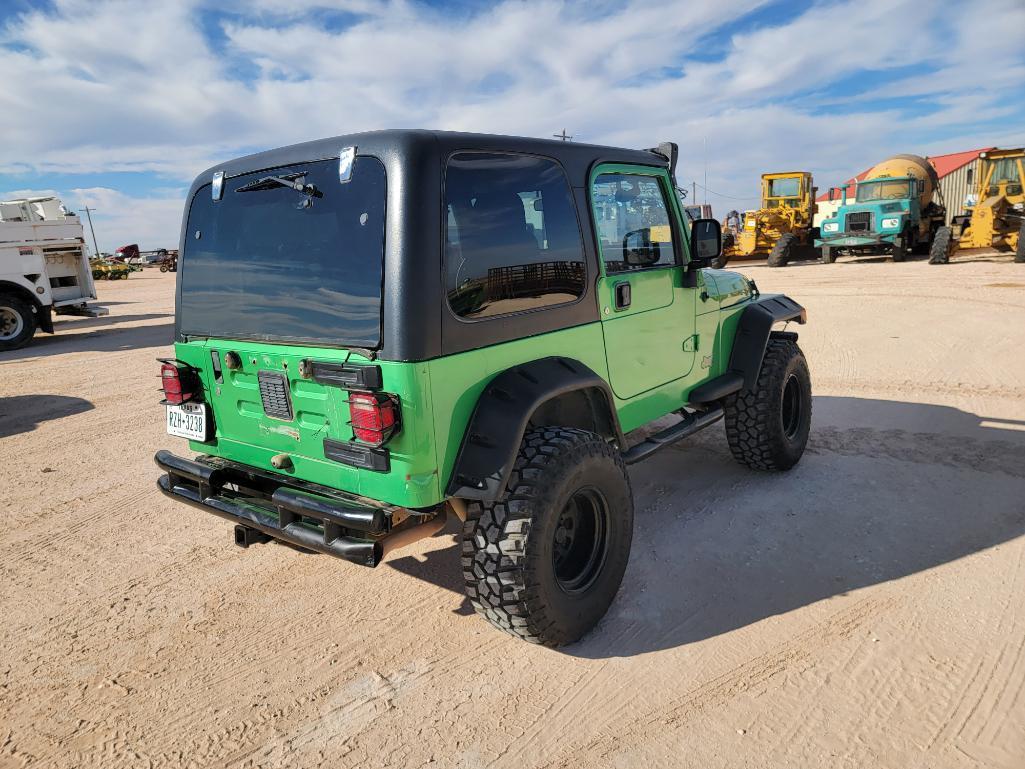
[17,322]
[939,251]
[767,427]
[899,252]
[1019,252]
[783,250]
[828,255]
[545,561]
[720,261]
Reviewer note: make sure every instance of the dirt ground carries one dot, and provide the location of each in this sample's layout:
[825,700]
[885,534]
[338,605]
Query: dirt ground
[865,610]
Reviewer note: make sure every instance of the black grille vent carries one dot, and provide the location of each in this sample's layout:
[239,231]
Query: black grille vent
[274,394]
[859,221]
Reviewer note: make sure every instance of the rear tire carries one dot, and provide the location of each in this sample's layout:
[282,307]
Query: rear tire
[544,563]
[1019,252]
[17,322]
[783,250]
[939,251]
[767,427]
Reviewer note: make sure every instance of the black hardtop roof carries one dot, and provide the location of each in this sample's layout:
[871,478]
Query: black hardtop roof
[410,144]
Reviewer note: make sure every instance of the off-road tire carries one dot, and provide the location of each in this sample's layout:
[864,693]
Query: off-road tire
[939,251]
[828,255]
[1019,252]
[762,429]
[510,546]
[11,304]
[783,250]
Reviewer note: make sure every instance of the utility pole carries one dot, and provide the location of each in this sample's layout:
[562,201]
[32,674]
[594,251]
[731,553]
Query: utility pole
[564,136]
[704,152]
[694,195]
[88,215]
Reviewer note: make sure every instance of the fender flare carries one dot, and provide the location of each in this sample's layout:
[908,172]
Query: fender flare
[499,420]
[749,343]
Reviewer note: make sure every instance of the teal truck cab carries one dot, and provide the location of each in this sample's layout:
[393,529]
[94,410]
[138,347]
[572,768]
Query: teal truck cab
[893,212]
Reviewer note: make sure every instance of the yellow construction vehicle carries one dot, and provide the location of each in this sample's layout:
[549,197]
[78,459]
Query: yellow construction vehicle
[996,219]
[781,229]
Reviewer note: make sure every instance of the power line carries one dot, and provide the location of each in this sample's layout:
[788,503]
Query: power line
[724,195]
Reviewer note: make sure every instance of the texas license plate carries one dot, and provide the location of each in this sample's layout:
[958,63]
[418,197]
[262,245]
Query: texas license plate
[189,420]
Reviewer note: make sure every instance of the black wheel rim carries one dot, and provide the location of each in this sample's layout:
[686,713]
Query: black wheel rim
[581,540]
[791,410]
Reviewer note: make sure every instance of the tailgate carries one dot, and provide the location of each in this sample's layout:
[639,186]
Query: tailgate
[265,407]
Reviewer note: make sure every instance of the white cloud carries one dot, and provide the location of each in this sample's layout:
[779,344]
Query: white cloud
[130,85]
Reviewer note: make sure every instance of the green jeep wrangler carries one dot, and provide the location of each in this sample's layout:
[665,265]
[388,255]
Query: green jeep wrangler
[377,331]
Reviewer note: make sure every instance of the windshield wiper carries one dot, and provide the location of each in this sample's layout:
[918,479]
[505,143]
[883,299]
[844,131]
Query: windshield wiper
[295,182]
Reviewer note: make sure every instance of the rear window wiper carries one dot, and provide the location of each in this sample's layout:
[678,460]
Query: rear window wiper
[296,181]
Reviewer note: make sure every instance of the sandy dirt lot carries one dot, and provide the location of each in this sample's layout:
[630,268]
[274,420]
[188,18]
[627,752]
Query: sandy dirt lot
[865,610]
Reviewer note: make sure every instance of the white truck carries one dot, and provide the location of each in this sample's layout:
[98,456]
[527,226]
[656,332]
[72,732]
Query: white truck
[44,268]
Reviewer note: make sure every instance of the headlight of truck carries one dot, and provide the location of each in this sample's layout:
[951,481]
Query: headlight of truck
[830,226]
[891,224]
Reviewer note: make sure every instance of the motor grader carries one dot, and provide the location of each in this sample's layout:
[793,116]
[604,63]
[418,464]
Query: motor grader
[997,217]
[781,230]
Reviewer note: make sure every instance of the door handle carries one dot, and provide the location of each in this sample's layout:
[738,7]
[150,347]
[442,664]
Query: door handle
[623,295]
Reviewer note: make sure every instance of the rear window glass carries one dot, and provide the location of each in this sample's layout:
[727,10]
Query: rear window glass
[512,240]
[268,262]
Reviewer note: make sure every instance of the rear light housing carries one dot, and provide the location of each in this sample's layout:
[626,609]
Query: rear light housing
[179,381]
[374,417]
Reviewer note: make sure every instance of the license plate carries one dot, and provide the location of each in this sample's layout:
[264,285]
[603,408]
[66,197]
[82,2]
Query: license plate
[187,421]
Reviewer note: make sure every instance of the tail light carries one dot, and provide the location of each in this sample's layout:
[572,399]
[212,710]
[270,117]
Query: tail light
[374,417]
[179,382]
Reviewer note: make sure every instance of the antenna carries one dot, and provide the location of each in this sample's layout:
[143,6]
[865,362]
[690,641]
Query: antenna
[564,136]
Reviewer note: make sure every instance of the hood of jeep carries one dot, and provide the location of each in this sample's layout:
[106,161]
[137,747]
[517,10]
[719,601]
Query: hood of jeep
[726,287]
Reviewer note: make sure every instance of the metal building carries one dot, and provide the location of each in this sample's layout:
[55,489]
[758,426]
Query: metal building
[958,174]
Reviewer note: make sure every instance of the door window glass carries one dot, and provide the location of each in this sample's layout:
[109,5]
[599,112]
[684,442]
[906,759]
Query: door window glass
[632,219]
[512,239]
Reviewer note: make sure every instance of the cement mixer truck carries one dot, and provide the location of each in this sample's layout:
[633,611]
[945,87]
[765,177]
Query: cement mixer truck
[896,210]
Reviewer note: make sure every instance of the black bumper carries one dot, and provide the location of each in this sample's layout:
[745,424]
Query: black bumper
[302,515]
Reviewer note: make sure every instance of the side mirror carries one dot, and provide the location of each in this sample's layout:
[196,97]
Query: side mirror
[638,250]
[705,241]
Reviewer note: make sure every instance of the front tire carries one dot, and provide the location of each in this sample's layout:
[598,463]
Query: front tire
[545,562]
[723,259]
[1019,251]
[17,322]
[767,428]
[939,251]
[783,250]
[899,252]
[828,255]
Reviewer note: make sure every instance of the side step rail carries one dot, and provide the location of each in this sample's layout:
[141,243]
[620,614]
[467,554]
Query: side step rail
[692,422]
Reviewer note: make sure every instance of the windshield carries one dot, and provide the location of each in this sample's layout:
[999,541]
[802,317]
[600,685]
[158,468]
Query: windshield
[1004,170]
[276,263]
[884,190]
[784,188]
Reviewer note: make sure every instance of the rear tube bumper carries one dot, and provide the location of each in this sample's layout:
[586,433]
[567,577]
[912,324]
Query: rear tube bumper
[333,526]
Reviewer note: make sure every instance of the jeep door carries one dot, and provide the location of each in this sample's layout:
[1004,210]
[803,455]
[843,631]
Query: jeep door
[647,314]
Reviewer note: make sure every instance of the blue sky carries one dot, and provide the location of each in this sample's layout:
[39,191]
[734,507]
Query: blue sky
[118,104]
